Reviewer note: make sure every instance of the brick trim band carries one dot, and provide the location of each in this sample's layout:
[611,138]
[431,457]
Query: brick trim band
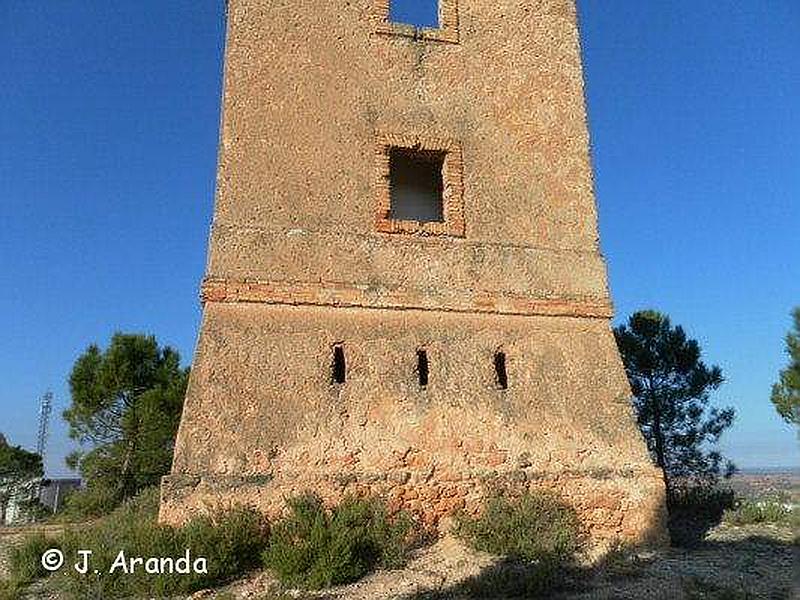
[353,295]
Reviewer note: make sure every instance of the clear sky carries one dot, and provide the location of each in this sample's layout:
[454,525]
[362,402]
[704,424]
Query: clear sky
[109,115]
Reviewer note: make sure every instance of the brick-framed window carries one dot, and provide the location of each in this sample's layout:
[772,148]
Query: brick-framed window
[446,153]
[446,32]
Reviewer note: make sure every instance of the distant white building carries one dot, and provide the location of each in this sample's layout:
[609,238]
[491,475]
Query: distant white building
[50,493]
[20,498]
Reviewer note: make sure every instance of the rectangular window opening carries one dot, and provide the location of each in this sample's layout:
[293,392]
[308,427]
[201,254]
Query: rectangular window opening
[419,13]
[422,367]
[501,376]
[416,186]
[338,367]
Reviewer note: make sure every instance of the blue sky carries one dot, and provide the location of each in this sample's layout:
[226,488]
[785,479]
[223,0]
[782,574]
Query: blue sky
[108,128]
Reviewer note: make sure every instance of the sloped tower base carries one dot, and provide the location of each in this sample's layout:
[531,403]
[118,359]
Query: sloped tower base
[263,421]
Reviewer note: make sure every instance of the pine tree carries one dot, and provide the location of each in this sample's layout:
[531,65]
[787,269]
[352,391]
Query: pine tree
[671,387]
[786,393]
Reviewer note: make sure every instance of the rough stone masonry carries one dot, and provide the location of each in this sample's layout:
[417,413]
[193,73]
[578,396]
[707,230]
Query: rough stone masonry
[432,362]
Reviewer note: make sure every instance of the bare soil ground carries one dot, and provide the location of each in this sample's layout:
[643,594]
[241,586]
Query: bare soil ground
[748,562]
[7,541]
[733,563]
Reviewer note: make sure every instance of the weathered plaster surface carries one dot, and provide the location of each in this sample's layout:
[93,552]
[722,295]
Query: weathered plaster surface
[298,262]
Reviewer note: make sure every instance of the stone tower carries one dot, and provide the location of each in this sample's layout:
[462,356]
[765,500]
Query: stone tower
[404,293]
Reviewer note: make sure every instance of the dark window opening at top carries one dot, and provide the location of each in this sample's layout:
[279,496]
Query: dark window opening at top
[338,368]
[415,181]
[419,13]
[501,376]
[422,367]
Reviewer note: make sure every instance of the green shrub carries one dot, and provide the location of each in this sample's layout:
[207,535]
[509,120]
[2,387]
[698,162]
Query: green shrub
[701,500]
[25,559]
[88,503]
[131,528]
[767,510]
[535,527]
[693,510]
[25,564]
[315,548]
[230,542]
[538,534]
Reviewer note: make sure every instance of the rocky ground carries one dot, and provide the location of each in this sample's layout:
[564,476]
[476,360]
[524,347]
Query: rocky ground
[746,562]
[6,542]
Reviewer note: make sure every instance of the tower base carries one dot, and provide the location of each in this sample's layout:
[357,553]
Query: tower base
[264,420]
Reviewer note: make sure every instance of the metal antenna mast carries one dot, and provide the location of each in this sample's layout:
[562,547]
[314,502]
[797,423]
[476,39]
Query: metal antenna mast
[44,421]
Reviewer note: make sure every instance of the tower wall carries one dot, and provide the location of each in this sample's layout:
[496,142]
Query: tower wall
[303,255]
[310,88]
